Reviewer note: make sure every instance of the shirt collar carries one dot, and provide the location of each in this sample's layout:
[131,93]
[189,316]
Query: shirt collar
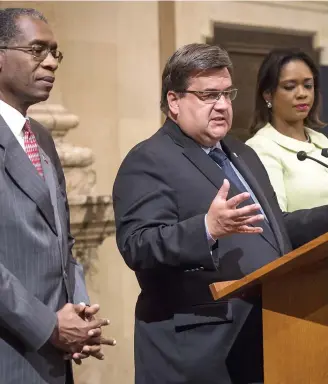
[209,149]
[13,118]
[318,140]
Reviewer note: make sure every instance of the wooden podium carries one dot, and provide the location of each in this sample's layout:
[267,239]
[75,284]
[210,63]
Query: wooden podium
[295,313]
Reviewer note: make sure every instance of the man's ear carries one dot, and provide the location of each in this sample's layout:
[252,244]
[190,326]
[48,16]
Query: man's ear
[173,102]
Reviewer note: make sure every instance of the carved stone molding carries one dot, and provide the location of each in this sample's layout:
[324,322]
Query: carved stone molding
[91,215]
[54,117]
[92,220]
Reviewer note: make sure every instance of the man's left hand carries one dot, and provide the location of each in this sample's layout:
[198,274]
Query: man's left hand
[94,347]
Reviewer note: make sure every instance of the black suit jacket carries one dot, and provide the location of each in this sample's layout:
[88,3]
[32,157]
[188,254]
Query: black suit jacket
[161,194]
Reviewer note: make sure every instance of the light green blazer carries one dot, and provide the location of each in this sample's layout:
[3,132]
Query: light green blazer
[298,184]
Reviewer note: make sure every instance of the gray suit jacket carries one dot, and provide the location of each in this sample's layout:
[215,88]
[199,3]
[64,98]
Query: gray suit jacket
[38,274]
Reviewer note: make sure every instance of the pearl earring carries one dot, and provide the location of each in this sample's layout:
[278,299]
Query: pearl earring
[269,105]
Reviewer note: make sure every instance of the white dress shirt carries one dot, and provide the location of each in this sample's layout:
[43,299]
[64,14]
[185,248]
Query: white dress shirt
[15,121]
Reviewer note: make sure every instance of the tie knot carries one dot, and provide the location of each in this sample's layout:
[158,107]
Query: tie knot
[27,130]
[218,156]
[27,127]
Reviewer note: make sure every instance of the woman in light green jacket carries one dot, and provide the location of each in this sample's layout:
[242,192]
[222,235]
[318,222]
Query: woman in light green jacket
[286,122]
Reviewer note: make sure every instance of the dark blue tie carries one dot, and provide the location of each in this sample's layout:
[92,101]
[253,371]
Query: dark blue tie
[222,160]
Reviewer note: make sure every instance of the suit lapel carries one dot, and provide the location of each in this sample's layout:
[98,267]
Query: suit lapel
[198,156]
[209,168]
[50,180]
[24,174]
[251,180]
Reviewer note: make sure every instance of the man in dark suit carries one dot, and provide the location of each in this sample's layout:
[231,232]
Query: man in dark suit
[39,279]
[194,206]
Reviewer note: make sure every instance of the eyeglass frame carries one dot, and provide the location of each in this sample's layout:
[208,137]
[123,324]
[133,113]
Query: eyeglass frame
[30,50]
[199,94]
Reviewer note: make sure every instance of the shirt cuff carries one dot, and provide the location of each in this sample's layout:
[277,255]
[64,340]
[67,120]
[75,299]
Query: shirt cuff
[210,239]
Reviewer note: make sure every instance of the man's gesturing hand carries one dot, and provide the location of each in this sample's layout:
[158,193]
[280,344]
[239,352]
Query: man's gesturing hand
[224,218]
[72,332]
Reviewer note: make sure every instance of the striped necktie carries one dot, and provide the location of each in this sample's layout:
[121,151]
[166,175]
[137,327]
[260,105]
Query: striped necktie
[31,147]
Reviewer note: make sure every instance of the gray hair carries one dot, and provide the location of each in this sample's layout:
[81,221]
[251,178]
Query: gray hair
[185,62]
[8,27]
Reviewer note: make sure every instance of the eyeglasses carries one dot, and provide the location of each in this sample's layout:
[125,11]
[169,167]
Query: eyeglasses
[211,97]
[39,52]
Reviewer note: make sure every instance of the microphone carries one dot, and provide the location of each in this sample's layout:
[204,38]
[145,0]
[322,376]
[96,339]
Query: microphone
[324,152]
[302,155]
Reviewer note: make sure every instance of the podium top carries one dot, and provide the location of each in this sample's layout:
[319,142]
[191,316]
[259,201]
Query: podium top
[308,255]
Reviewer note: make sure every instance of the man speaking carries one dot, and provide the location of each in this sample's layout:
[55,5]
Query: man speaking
[194,206]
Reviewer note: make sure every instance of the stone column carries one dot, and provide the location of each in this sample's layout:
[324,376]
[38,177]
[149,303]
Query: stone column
[91,215]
